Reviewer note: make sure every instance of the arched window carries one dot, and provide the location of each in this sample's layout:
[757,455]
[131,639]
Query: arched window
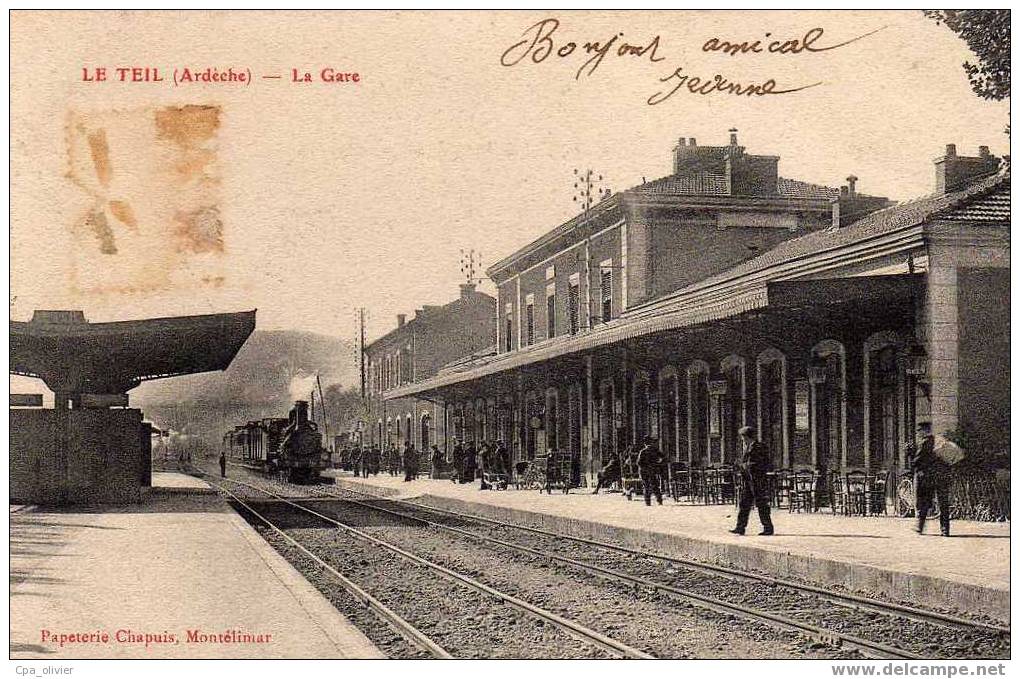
[883,388]
[734,405]
[534,421]
[426,431]
[645,408]
[773,427]
[827,376]
[552,421]
[606,427]
[575,422]
[669,414]
[698,413]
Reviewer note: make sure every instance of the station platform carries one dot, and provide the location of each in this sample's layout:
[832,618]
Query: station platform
[177,563]
[880,556]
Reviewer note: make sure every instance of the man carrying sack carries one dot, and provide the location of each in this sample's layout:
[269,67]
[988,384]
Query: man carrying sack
[931,461]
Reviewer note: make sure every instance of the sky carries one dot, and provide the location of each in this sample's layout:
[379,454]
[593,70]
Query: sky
[309,200]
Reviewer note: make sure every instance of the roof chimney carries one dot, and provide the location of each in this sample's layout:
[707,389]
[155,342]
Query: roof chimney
[852,186]
[733,136]
[953,172]
[692,141]
[401,319]
[466,289]
[682,142]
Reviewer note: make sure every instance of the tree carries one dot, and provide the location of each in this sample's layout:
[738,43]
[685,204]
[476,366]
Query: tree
[986,32]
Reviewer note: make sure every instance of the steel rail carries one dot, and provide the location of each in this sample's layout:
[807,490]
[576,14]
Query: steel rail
[574,629]
[840,639]
[842,598]
[401,626]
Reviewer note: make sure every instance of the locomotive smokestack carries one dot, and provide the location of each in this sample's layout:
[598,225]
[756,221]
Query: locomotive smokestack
[300,413]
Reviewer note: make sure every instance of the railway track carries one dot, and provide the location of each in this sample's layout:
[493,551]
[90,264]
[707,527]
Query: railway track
[607,645]
[842,598]
[839,625]
[869,614]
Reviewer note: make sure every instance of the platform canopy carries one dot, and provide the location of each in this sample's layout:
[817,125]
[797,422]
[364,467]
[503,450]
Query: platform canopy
[73,356]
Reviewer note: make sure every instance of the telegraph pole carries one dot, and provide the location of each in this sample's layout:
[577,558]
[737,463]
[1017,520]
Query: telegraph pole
[587,187]
[361,348]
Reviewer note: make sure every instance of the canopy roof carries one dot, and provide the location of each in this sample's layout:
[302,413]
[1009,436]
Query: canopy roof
[74,356]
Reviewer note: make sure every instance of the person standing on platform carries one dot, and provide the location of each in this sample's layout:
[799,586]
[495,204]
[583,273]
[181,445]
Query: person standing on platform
[410,462]
[458,461]
[470,464]
[223,464]
[649,464]
[754,490]
[355,461]
[932,479]
[436,462]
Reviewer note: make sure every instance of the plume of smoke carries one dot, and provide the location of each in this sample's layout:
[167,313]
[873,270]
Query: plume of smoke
[301,386]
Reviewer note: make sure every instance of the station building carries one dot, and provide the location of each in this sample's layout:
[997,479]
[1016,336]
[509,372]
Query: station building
[726,295]
[414,351]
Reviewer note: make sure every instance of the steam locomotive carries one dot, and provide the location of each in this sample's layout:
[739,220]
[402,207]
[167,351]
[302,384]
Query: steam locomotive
[291,445]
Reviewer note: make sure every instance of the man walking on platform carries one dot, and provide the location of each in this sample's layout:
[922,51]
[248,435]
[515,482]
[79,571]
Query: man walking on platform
[754,466]
[931,479]
[223,464]
[649,463]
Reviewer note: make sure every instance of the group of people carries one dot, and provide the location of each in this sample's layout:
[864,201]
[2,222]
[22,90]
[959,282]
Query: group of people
[932,477]
[488,461]
[371,460]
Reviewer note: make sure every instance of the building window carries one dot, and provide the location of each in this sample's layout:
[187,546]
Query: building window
[606,289]
[574,304]
[508,335]
[529,319]
[550,310]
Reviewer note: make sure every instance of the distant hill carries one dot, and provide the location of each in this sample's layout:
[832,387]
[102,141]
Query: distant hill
[272,369]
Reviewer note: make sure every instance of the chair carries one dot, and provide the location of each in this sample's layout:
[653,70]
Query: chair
[782,486]
[876,489]
[856,493]
[679,480]
[837,493]
[697,480]
[727,485]
[803,489]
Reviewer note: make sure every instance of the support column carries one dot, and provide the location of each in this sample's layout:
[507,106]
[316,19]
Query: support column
[942,342]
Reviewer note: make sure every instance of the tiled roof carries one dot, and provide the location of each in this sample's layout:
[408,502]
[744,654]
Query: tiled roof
[696,183]
[798,189]
[953,205]
[714,184]
[987,199]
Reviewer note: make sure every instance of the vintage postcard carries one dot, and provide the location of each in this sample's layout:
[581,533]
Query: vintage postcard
[510,335]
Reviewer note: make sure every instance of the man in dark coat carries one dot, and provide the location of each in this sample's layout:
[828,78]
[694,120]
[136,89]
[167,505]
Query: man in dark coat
[410,459]
[470,464]
[753,467]
[609,474]
[223,464]
[356,461]
[649,464]
[502,459]
[931,478]
[458,462]
[436,462]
